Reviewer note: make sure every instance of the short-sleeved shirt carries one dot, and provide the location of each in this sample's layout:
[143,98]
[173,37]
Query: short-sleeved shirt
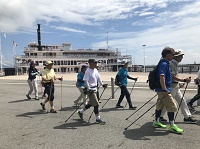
[164,69]
[48,74]
[32,70]
[92,76]
[80,77]
[123,74]
[173,64]
[174,67]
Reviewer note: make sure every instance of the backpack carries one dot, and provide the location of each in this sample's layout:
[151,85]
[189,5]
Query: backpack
[116,81]
[153,84]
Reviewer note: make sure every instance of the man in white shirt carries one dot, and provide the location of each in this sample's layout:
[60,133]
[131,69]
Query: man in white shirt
[91,78]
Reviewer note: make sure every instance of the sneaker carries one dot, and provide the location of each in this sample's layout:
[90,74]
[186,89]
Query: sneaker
[190,120]
[28,96]
[119,106]
[132,107]
[159,125]
[100,121]
[175,129]
[36,98]
[190,106]
[53,111]
[43,96]
[162,119]
[43,106]
[80,115]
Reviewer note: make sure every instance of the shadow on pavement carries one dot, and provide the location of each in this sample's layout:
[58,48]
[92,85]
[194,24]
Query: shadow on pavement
[144,132]
[73,125]
[31,114]
[113,109]
[22,100]
[72,108]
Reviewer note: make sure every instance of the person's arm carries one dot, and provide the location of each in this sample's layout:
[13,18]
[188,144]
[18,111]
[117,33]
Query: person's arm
[85,79]
[162,83]
[187,80]
[135,79]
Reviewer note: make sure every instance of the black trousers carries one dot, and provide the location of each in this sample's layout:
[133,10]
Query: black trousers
[124,92]
[196,97]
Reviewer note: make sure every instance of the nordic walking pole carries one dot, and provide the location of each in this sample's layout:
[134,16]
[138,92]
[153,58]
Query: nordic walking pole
[99,99]
[109,98]
[75,110]
[143,114]
[130,93]
[141,107]
[61,93]
[181,100]
[51,81]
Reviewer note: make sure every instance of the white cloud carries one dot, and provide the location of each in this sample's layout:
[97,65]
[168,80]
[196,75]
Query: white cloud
[69,29]
[159,25]
[176,29]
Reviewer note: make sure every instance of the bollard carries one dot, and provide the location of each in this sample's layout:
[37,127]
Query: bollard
[112,88]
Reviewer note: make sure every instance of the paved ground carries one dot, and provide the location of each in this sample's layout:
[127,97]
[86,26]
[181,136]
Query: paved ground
[24,125]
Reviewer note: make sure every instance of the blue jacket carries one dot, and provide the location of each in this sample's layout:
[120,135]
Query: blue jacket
[80,81]
[122,76]
[164,69]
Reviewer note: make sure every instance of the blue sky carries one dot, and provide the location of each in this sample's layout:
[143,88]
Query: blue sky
[85,23]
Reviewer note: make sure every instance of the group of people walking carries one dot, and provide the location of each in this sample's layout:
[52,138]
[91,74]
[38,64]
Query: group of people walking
[170,98]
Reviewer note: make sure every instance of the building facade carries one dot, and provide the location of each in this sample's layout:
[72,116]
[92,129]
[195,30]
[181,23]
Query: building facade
[67,60]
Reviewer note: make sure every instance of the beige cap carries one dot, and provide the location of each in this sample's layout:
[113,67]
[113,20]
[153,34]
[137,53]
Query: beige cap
[48,63]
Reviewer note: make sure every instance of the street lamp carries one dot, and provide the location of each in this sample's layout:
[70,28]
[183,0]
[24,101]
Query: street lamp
[144,55]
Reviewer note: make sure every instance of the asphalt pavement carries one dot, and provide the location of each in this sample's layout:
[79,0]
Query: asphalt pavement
[24,125]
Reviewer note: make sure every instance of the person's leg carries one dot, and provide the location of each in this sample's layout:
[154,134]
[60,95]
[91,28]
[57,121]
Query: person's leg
[162,119]
[171,107]
[128,98]
[53,110]
[159,108]
[47,89]
[79,97]
[195,98]
[121,96]
[35,86]
[184,108]
[30,88]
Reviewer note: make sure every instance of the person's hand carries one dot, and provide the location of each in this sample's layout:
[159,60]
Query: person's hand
[166,93]
[105,85]
[119,84]
[135,79]
[51,80]
[187,80]
[61,79]
[91,91]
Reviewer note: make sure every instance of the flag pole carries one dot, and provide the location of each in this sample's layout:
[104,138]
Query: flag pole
[13,54]
[1,51]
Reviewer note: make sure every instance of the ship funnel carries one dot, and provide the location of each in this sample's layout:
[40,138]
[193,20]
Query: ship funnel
[39,38]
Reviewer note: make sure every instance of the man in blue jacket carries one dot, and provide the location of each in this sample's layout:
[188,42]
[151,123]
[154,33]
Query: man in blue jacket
[165,99]
[121,77]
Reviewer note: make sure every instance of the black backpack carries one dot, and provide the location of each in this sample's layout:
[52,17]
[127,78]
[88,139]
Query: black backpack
[153,84]
[116,81]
